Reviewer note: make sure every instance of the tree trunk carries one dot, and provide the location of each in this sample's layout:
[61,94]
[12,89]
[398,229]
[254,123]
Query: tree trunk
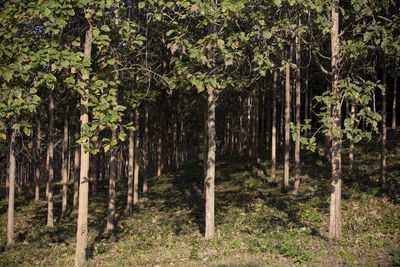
[64,159]
[82,229]
[76,166]
[298,110]
[285,184]
[50,220]
[11,183]
[146,147]
[351,149]
[137,153]
[335,224]
[209,182]
[273,140]
[37,160]
[384,132]
[394,101]
[131,158]
[159,148]
[249,127]
[111,188]
[240,126]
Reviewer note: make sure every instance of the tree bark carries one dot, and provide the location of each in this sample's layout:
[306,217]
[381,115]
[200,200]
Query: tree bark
[64,159]
[146,147]
[37,160]
[273,140]
[82,229]
[298,110]
[335,222]
[394,101]
[11,184]
[111,187]
[210,178]
[50,220]
[131,158]
[76,167]
[137,153]
[288,96]
[351,148]
[384,132]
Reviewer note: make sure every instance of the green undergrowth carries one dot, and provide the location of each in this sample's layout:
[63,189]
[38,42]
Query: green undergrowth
[256,223]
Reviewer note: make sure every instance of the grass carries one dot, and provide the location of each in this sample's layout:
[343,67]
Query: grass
[256,224]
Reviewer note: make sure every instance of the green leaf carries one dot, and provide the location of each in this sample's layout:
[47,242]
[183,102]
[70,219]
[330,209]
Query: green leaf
[27,131]
[96,32]
[7,75]
[111,61]
[142,5]
[357,138]
[105,28]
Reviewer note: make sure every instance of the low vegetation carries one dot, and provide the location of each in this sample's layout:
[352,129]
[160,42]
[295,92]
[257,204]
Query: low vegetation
[256,224]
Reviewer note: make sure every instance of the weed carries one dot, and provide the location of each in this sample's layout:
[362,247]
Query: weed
[292,249]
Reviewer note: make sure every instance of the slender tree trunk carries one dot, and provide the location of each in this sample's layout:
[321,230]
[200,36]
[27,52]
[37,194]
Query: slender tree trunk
[146,147]
[209,182]
[111,188]
[131,157]
[351,149]
[256,125]
[240,126]
[96,171]
[159,150]
[394,101]
[249,127]
[64,159]
[298,110]
[306,102]
[37,160]
[137,153]
[76,167]
[384,132]
[273,140]
[288,96]
[50,220]
[82,229]
[335,223]
[11,183]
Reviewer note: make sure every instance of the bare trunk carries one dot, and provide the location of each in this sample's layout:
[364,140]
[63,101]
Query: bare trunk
[159,151]
[384,133]
[64,159]
[351,149]
[285,184]
[50,220]
[37,160]
[111,187]
[137,153]
[335,222]
[240,126]
[146,148]
[273,140]
[249,127]
[394,101]
[209,181]
[298,110]
[11,183]
[131,158]
[82,229]
[306,102]
[76,167]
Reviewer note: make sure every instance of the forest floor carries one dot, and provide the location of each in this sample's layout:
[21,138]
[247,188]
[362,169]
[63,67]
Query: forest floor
[256,223]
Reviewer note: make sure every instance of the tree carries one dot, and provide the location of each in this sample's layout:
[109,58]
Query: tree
[335,223]
[82,230]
